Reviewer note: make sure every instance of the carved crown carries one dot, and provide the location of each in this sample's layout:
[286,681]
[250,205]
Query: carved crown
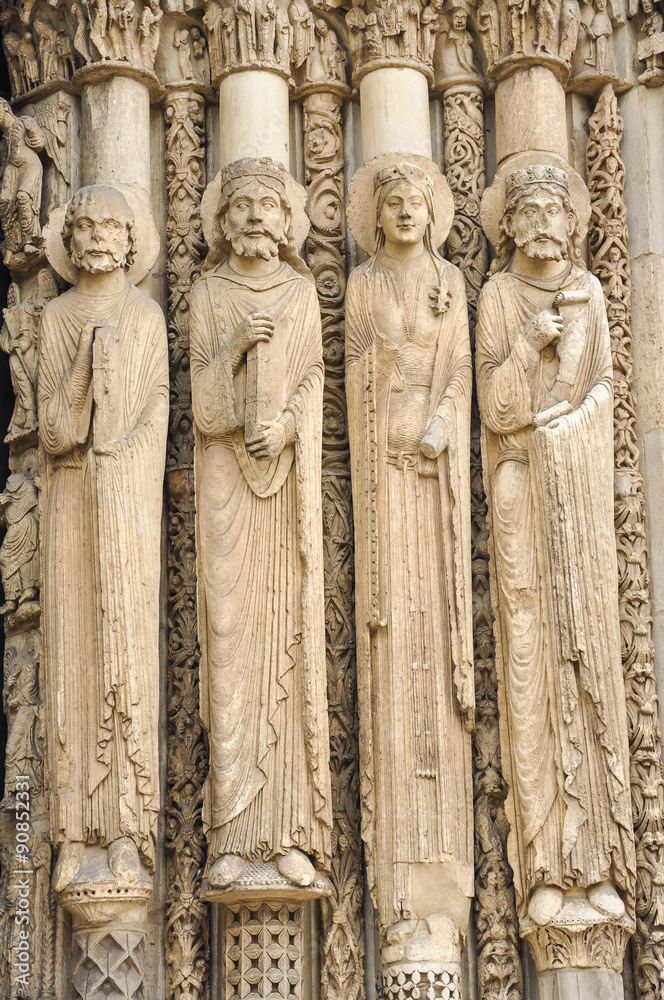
[252,167]
[539,173]
[401,171]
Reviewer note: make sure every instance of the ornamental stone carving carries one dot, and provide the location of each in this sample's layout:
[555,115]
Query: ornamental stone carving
[408,384]
[257,384]
[21,187]
[103,405]
[544,380]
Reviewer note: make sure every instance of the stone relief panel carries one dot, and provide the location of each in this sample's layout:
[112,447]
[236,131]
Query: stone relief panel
[408,384]
[286,38]
[544,381]
[257,385]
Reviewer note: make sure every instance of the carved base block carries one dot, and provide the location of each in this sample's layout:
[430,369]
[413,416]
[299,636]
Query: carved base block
[403,982]
[263,947]
[567,946]
[109,963]
[580,984]
[260,879]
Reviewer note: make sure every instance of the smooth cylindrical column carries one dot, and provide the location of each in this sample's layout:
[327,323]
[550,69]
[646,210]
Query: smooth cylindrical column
[253,116]
[394,105]
[115,123]
[530,114]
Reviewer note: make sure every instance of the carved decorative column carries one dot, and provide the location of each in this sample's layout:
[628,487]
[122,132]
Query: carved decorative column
[498,959]
[342,932]
[610,262]
[187,927]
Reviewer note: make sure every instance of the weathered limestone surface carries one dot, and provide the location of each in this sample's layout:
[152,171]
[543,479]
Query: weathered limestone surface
[389,639]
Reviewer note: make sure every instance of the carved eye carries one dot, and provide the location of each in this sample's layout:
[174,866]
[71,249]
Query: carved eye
[268,203]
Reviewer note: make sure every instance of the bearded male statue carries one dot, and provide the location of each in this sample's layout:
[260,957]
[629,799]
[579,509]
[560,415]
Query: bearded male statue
[544,382]
[257,388]
[103,413]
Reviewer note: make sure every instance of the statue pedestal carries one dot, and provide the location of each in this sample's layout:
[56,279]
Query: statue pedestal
[106,890]
[579,954]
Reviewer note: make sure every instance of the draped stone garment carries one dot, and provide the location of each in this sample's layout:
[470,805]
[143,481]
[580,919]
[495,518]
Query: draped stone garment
[101,544]
[261,600]
[563,721]
[413,582]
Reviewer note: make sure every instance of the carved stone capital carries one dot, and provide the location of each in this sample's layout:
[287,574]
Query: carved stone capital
[572,941]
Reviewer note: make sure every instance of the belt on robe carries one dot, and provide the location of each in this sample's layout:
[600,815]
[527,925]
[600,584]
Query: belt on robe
[413,461]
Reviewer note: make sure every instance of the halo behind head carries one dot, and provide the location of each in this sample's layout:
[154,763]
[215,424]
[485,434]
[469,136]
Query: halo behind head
[145,249]
[385,169]
[531,168]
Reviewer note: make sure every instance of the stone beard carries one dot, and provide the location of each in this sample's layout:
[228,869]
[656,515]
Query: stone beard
[103,412]
[257,390]
[408,383]
[544,383]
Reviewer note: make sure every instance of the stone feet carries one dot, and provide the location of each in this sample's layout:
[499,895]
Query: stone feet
[225,870]
[545,904]
[548,902]
[296,867]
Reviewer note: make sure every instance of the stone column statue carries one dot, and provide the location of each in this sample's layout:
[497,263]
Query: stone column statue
[257,389]
[103,411]
[544,382]
[408,381]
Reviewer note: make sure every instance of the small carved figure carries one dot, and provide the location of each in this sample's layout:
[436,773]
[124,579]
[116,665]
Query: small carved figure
[148,32]
[570,20]
[18,338]
[546,12]
[356,20]
[653,21]
[599,31]
[429,24]
[197,42]
[257,384]
[65,55]
[181,43]
[409,386]
[245,12]
[333,57]
[265,14]
[103,415]
[81,33]
[121,15]
[98,17]
[284,33]
[29,61]
[411,34]
[544,386]
[226,25]
[457,52]
[518,10]
[19,552]
[302,21]
[390,19]
[21,703]
[488,23]
[46,36]
[11,44]
[21,187]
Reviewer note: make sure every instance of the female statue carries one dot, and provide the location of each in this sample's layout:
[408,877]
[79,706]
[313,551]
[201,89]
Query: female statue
[408,377]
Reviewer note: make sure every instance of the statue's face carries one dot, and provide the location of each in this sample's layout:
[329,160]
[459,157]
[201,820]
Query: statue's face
[459,21]
[255,222]
[99,242]
[540,226]
[404,214]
